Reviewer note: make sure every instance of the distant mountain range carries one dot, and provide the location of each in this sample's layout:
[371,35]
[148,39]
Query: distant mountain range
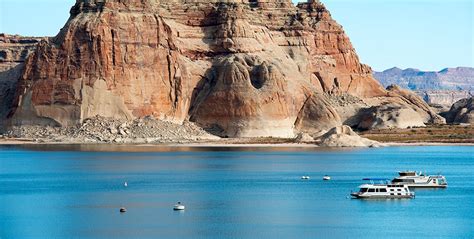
[461,78]
[442,88]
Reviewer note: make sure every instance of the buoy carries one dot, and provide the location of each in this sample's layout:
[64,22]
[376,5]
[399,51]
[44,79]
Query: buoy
[123,210]
[326,178]
[125,184]
[179,207]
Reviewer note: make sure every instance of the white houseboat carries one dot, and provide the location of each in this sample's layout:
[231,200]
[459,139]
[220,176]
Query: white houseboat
[413,179]
[382,190]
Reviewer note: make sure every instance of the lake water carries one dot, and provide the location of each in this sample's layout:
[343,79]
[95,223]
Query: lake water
[71,192]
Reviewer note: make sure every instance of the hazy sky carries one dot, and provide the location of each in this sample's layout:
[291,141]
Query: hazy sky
[424,34]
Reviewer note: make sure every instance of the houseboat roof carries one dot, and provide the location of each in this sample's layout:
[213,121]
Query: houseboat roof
[407,173]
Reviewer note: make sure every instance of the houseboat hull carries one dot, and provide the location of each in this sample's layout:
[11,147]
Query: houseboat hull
[425,186]
[362,196]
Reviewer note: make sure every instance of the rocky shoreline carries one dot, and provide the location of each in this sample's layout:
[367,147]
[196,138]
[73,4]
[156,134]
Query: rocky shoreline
[107,130]
[148,130]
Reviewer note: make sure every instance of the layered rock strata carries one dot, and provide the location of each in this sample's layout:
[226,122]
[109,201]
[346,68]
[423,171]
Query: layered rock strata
[241,68]
[13,52]
[460,78]
[444,97]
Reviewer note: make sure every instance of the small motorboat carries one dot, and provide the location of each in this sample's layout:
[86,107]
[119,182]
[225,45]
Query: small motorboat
[382,190]
[179,207]
[123,210]
[326,178]
[305,177]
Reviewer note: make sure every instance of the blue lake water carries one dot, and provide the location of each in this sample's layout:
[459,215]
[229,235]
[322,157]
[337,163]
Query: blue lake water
[70,192]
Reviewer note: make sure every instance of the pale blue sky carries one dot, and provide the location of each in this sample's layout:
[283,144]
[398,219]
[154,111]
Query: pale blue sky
[424,34]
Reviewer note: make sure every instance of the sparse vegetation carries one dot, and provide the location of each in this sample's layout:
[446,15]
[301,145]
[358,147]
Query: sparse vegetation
[429,134]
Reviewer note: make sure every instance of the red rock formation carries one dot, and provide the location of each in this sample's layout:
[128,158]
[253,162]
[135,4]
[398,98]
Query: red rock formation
[13,52]
[251,68]
[15,49]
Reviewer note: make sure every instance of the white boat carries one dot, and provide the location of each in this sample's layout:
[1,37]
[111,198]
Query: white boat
[382,191]
[179,207]
[419,180]
[326,178]
[305,177]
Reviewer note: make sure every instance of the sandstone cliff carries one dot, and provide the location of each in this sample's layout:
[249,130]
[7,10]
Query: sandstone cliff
[462,112]
[444,98]
[402,109]
[243,68]
[13,52]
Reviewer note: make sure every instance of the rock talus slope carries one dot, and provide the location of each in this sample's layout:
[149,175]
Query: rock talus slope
[243,68]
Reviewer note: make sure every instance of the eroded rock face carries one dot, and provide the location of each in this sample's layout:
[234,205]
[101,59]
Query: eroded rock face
[444,98]
[391,116]
[252,68]
[415,102]
[247,68]
[13,52]
[461,112]
[400,109]
[15,49]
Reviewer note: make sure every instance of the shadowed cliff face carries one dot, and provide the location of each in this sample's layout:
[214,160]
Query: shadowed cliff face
[248,68]
[13,52]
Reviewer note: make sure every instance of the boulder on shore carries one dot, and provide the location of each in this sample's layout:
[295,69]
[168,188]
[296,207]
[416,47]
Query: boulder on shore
[304,138]
[344,136]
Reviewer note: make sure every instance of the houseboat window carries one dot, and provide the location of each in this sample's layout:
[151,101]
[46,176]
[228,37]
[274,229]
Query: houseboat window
[383,190]
[398,180]
[371,190]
